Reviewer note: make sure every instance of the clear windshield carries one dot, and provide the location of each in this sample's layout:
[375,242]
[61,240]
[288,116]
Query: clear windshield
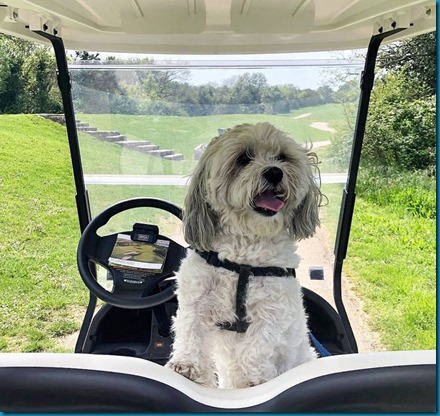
[143,126]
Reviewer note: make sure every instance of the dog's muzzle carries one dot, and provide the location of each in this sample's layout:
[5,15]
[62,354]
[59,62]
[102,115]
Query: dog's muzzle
[268,203]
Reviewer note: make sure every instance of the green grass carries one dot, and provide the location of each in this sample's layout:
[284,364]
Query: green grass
[183,134]
[102,196]
[409,193]
[100,157]
[391,258]
[42,298]
[41,291]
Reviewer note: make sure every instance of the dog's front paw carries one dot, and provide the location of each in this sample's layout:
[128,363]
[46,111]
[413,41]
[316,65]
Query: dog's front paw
[187,369]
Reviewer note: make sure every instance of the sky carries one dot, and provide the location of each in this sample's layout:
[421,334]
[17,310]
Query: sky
[311,76]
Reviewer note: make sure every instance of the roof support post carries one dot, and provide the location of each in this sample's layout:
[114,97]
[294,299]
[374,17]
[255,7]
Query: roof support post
[64,83]
[349,194]
[81,197]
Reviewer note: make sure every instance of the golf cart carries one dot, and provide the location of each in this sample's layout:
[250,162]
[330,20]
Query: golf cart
[123,345]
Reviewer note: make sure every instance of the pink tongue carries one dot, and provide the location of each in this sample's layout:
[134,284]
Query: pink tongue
[268,200]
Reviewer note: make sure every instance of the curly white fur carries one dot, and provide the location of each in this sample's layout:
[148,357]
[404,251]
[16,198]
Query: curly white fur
[221,215]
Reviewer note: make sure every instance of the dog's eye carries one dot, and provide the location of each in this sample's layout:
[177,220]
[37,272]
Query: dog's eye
[282,157]
[244,159]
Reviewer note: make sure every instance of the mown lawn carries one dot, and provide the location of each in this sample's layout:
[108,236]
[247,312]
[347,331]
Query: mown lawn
[42,296]
[183,134]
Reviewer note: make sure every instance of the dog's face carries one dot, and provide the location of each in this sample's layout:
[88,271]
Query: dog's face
[254,181]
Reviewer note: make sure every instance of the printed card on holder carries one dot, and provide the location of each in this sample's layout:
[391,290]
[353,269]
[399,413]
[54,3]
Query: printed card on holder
[138,255]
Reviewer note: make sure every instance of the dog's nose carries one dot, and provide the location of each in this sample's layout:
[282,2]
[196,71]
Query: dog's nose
[273,175]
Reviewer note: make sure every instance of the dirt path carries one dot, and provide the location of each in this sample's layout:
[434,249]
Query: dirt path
[316,251]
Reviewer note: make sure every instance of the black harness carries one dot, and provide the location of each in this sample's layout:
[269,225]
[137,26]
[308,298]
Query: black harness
[244,272]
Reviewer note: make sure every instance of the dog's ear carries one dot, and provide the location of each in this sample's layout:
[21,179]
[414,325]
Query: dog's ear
[199,220]
[306,215]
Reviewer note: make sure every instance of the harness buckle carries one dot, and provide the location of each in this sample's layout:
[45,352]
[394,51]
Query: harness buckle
[238,326]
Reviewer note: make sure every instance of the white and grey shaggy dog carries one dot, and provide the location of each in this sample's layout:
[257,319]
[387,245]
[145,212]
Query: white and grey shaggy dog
[251,197]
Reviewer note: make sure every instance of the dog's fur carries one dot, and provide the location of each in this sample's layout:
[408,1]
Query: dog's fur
[220,216]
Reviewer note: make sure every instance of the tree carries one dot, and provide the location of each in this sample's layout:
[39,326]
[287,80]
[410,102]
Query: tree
[40,86]
[273,100]
[13,54]
[417,58]
[95,90]
[247,92]
[401,124]
[400,129]
[326,94]
[27,77]
[87,56]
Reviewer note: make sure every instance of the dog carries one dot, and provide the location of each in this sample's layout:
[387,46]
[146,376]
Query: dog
[252,196]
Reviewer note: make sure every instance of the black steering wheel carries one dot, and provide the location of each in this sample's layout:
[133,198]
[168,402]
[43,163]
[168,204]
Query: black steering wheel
[132,289]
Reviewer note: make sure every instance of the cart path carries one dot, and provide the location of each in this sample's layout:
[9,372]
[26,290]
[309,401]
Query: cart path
[316,251]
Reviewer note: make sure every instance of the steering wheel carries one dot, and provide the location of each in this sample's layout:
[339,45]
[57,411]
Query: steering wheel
[133,289]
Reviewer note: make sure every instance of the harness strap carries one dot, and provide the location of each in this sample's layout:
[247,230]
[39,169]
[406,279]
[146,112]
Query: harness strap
[318,346]
[244,272]
[240,325]
[211,258]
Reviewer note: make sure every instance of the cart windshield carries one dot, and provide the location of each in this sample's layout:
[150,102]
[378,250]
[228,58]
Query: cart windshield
[144,123]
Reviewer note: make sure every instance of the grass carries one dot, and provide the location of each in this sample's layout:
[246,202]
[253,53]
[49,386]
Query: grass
[120,160]
[391,258]
[104,195]
[183,134]
[391,253]
[41,291]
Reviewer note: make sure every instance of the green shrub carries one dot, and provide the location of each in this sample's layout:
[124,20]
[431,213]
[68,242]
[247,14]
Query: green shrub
[401,131]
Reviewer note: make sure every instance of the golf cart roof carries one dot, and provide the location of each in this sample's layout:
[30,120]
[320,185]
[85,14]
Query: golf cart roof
[215,27]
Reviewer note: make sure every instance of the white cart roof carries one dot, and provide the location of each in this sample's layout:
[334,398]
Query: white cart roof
[215,26]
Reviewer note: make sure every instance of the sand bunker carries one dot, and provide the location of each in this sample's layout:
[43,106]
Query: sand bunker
[322,126]
[321,144]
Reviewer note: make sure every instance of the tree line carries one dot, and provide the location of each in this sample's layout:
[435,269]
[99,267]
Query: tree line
[167,92]
[28,85]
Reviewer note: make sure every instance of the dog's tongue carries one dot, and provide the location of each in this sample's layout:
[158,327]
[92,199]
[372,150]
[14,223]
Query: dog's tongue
[268,201]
